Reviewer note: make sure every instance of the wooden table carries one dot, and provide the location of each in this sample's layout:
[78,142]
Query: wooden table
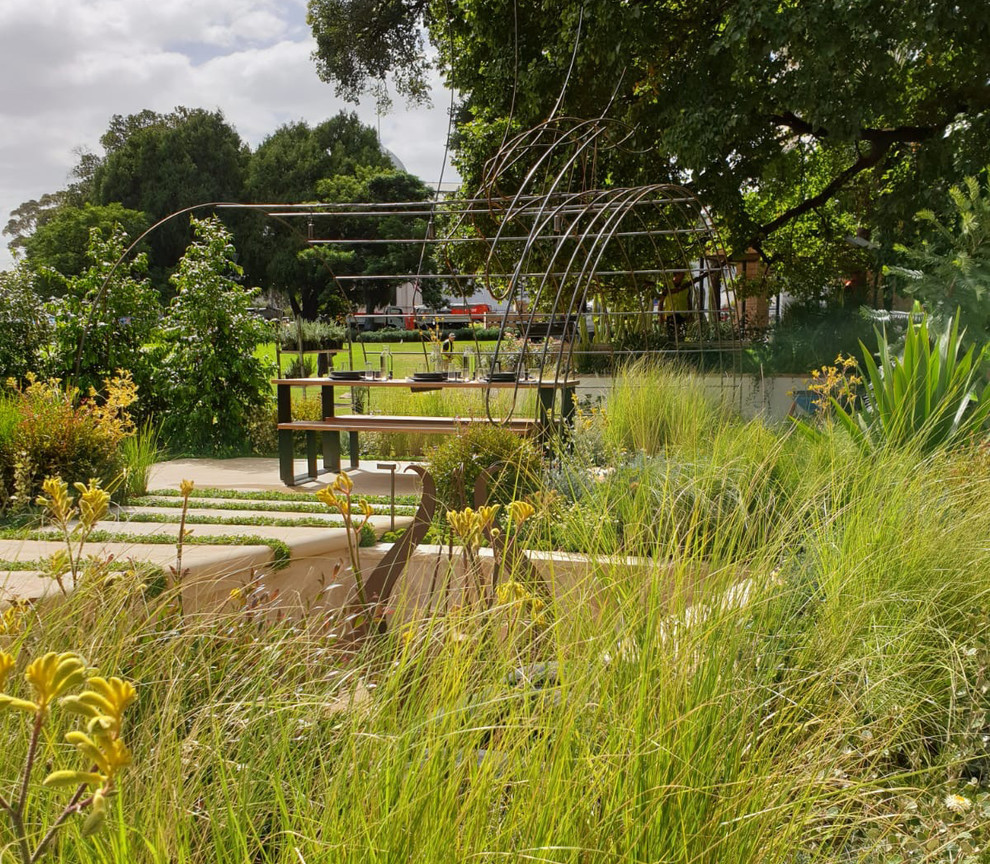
[332,425]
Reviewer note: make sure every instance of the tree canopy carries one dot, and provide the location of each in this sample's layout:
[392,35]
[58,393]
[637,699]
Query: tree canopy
[288,166]
[798,123]
[59,248]
[155,164]
[160,163]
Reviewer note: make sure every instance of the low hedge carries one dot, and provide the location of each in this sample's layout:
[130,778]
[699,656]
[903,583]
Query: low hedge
[466,334]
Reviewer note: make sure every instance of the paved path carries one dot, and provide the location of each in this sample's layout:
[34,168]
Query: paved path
[255,474]
[316,549]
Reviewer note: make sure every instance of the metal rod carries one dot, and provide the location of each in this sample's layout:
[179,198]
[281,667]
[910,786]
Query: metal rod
[482,277]
[488,214]
[521,239]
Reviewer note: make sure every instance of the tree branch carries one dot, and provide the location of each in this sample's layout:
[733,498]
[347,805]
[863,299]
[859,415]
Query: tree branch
[865,162]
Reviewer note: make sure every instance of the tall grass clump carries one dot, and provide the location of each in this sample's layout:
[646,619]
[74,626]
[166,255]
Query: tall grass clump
[140,452]
[652,405]
[760,713]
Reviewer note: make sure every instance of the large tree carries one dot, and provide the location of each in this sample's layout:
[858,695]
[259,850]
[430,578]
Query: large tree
[161,163]
[286,168]
[795,121]
[375,259]
[59,248]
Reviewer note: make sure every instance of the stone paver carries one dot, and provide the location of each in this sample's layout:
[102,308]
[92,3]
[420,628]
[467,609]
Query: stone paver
[310,546]
[260,474]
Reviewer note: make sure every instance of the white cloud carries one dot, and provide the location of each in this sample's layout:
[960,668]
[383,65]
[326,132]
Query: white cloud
[67,66]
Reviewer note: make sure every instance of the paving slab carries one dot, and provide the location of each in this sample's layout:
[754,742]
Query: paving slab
[158,554]
[125,514]
[275,507]
[261,475]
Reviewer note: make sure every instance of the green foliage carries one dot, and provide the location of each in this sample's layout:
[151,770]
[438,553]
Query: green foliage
[210,379]
[808,336]
[371,184]
[287,167]
[47,430]
[360,42]
[63,247]
[653,405]
[116,308]
[461,334]
[24,326]
[932,396]
[797,123]
[159,163]
[139,453]
[949,271]
[314,335]
[456,463]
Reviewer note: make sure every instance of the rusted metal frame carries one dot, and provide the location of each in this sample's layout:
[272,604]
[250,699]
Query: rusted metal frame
[513,285]
[588,273]
[382,580]
[587,234]
[465,240]
[367,214]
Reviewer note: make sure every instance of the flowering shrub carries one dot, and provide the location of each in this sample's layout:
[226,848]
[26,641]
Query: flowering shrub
[55,432]
[839,382]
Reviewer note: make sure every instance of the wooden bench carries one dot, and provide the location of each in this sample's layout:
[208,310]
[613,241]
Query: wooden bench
[330,427]
[404,423]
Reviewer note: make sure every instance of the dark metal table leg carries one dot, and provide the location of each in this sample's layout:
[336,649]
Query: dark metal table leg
[286,469]
[330,440]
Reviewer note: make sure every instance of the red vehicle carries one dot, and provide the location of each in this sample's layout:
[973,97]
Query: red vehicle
[422,317]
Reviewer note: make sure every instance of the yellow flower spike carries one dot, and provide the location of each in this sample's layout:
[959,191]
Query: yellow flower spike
[97,815]
[462,522]
[104,700]
[58,503]
[366,508]
[326,496]
[88,748]
[93,503]
[186,487]
[18,704]
[486,515]
[6,664]
[343,483]
[520,511]
[73,778]
[53,674]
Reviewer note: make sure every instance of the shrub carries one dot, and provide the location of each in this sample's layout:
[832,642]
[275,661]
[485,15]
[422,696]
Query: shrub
[140,452]
[262,423]
[316,335]
[24,327]
[118,312]
[50,431]
[462,334]
[932,396]
[304,367]
[456,464]
[210,378]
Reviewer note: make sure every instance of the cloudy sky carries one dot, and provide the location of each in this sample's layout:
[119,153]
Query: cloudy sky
[66,66]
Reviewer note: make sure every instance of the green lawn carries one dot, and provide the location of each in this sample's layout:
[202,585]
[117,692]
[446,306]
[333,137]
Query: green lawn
[407,357]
